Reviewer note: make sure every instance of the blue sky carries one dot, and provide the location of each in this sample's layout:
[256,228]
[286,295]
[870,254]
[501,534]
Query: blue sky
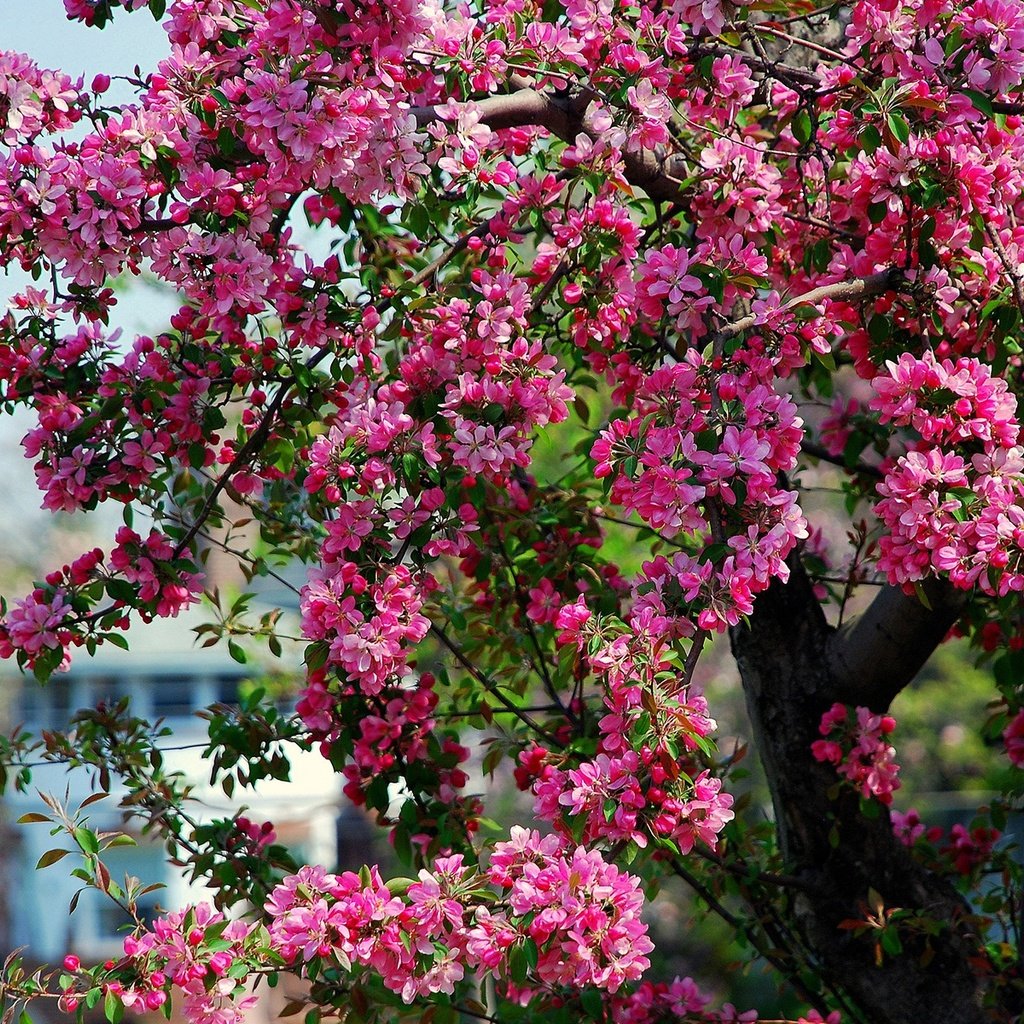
[41,29]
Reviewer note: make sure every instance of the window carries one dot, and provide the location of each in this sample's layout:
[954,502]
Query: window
[172,696]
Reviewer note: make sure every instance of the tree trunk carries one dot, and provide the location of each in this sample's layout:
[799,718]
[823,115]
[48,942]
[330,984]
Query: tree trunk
[790,677]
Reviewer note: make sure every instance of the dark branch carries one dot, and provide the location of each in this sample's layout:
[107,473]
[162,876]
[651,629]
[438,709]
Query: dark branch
[817,451]
[567,117]
[783,652]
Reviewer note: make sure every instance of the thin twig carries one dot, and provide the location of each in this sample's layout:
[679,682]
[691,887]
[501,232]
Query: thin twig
[490,686]
[805,43]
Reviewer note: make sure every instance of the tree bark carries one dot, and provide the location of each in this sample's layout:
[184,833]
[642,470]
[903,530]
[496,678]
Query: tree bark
[875,655]
[567,116]
[791,673]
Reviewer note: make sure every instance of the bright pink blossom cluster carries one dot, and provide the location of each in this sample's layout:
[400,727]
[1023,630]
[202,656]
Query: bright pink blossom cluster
[664,468]
[42,625]
[1013,737]
[855,744]
[475,373]
[153,566]
[383,736]
[37,622]
[954,503]
[580,916]
[33,101]
[198,952]
[637,786]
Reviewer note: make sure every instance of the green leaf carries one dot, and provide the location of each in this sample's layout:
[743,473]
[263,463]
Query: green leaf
[827,360]
[981,102]
[899,127]
[592,1003]
[803,128]
[403,846]
[518,965]
[87,840]
[113,1008]
[493,413]
[870,139]
[51,857]
[120,590]
[236,652]
[879,329]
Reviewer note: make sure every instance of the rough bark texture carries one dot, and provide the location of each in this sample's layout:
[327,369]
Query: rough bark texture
[789,664]
[875,655]
[567,116]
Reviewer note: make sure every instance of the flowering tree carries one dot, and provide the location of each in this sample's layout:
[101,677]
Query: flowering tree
[664,235]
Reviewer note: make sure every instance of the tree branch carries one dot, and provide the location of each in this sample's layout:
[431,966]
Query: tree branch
[658,174]
[840,291]
[817,451]
[876,654]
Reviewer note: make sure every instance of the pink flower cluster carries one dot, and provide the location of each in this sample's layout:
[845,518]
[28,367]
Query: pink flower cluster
[196,951]
[164,587]
[668,285]
[682,1001]
[35,623]
[908,827]
[369,639]
[638,785]
[954,503]
[583,913]
[248,833]
[855,744]
[357,922]
[34,101]
[1013,737]
[964,850]
[669,465]
[47,620]
[580,915]
[969,849]
[492,390]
